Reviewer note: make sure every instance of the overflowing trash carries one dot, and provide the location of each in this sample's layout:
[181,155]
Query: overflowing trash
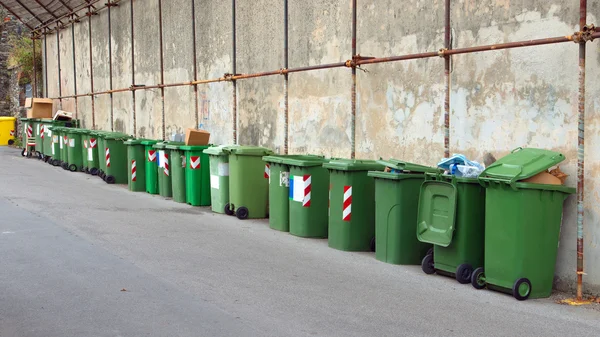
[458,165]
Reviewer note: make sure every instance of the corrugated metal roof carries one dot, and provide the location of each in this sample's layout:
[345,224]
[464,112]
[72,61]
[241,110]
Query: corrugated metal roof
[35,13]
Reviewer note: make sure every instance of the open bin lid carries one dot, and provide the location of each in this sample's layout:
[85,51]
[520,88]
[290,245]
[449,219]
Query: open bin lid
[256,151]
[437,213]
[408,167]
[521,164]
[296,160]
[353,165]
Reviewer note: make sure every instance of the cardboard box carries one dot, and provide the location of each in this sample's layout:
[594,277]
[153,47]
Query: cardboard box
[40,108]
[196,137]
[62,115]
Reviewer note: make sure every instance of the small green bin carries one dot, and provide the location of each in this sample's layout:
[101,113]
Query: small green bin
[46,137]
[27,128]
[248,182]
[352,204]
[136,165]
[151,165]
[115,157]
[55,135]
[177,166]
[91,157]
[396,202]
[522,225]
[219,178]
[197,175]
[452,218]
[165,187]
[39,142]
[75,161]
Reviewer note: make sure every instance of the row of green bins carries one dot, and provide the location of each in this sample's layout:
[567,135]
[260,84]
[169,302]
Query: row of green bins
[248,182]
[452,218]
[298,186]
[522,225]
[352,204]
[396,203]
[219,178]
[197,176]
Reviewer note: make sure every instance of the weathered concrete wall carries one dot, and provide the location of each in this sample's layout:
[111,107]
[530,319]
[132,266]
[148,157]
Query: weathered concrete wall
[499,100]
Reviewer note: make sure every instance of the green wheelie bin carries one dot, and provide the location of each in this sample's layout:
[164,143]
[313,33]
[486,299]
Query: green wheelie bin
[95,157]
[151,166]
[136,165]
[219,178]
[75,152]
[55,149]
[85,136]
[298,187]
[64,147]
[396,201]
[165,187]
[177,162]
[39,142]
[197,175]
[115,158]
[352,204]
[248,182]
[46,137]
[452,218]
[522,225]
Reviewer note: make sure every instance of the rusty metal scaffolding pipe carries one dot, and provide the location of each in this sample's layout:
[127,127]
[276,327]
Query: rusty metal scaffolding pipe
[233,71]
[110,67]
[87,4]
[194,65]
[580,150]
[286,114]
[34,71]
[133,108]
[59,70]
[447,46]
[18,18]
[89,14]
[74,71]
[353,88]
[46,66]
[162,68]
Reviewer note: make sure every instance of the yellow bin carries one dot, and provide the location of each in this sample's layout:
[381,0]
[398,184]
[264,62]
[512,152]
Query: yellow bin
[8,130]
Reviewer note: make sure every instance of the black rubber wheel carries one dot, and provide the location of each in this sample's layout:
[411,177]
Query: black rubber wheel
[463,273]
[430,251]
[228,210]
[372,245]
[241,213]
[86,170]
[82,168]
[64,165]
[46,158]
[73,168]
[94,171]
[55,162]
[478,278]
[39,155]
[521,289]
[427,264]
[24,153]
[11,141]
[110,180]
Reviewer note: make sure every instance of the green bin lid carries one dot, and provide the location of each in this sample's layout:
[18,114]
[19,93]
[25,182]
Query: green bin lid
[408,167]
[521,164]
[194,147]
[163,144]
[354,165]
[394,176]
[437,212]
[117,136]
[248,151]
[219,150]
[174,145]
[134,141]
[148,141]
[296,160]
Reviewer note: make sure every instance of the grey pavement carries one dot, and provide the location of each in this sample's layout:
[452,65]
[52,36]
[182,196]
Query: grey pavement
[82,258]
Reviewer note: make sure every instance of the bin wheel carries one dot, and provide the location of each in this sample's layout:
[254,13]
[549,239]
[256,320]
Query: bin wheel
[11,141]
[24,153]
[228,210]
[65,166]
[110,180]
[46,158]
[372,245]
[430,251]
[55,162]
[82,168]
[72,167]
[478,278]
[49,161]
[427,264]
[241,213]
[521,289]
[463,273]
[94,171]
[38,154]
[29,154]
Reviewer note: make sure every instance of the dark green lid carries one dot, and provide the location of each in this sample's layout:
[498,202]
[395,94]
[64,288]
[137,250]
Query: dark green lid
[133,142]
[296,160]
[437,212]
[218,150]
[354,165]
[248,151]
[117,136]
[450,178]
[194,147]
[394,176]
[161,145]
[174,145]
[408,167]
[149,141]
[521,164]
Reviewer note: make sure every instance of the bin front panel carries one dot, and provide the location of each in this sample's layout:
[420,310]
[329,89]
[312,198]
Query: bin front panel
[92,152]
[136,168]
[279,209]
[177,168]
[74,149]
[39,144]
[151,169]
[249,184]
[219,182]
[115,160]
[47,139]
[308,201]
[197,178]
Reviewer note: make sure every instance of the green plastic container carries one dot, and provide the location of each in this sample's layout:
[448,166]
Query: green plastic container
[219,178]
[177,163]
[92,156]
[136,165]
[115,151]
[151,165]
[298,188]
[46,137]
[39,144]
[352,204]
[85,135]
[25,124]
[54,144]
[75,151]
[64,147]
[452,218]
[197,175]
[165,187]
[396,202]
[248,182]
[522,225]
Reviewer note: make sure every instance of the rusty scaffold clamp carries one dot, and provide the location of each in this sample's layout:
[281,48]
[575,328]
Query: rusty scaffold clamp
[354,62]
[585,35]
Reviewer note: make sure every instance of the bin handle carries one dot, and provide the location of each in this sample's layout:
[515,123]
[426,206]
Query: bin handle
[487,182]
[517,149]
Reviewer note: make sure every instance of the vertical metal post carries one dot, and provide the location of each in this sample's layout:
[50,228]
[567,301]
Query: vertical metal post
[91,68]
[59,70]
[447,82]
[110,75]
[34,93]
[162,67]
[74,70]
[45,64]
[133,71]
[286,128]
[353,92]
[194,66]
[234,72]
[580,150]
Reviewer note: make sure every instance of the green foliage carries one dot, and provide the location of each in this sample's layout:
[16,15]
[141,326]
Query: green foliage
[21,55]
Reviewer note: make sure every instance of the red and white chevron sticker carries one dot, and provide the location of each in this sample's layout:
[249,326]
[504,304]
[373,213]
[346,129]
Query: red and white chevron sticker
[66,140]
[29,131]
[166,171]
[107,157]
[93,143]
[307,189]
[194,162]
[42,131]
[267,171]
[12,133]
[85,143]
[347,209]
[133,171]
[151,155]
